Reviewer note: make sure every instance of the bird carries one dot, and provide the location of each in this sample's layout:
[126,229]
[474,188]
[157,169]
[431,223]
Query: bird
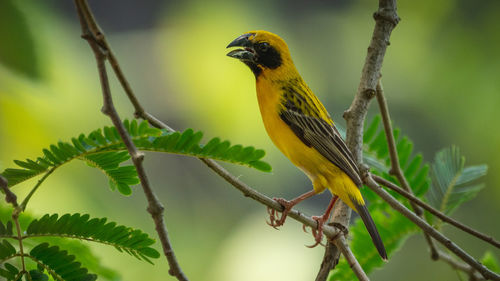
[302,129]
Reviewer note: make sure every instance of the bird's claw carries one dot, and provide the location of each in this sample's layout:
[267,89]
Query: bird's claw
[274,219]
[317,232]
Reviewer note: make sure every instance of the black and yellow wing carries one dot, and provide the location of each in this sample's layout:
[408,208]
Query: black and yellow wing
[316,132]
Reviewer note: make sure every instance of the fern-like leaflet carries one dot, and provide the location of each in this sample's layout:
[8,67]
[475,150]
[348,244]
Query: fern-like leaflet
[58,263]
[103,149]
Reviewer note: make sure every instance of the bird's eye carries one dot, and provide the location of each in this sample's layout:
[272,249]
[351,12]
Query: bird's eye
[263,47]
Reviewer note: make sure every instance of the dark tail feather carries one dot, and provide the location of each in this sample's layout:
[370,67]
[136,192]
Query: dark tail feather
[372,229]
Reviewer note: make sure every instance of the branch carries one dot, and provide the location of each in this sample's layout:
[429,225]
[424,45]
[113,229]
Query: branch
[35,188]
[386,19]
[341,215]
[488,274]
[95,39]
[10,197]
[351,259]
[437,213]
[395,166]
[329,231]
[473,274]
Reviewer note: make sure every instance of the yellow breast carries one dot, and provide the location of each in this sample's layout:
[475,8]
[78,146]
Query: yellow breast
[301,155]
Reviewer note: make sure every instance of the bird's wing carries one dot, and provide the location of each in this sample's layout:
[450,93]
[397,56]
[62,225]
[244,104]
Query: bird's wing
[319,134]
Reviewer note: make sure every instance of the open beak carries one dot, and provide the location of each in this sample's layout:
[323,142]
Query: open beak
[247,53]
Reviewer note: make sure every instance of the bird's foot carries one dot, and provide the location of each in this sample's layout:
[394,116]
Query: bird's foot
[317,232]
[274,219]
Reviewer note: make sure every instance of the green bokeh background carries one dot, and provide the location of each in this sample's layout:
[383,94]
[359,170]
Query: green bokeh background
[441,77]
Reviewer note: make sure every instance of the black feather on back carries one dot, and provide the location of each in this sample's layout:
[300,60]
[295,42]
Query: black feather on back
[318,133]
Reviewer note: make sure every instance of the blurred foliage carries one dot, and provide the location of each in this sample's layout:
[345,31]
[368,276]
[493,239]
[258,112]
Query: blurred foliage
[440,76]
[14,27]
[395,229]
[490,261]
[452,181]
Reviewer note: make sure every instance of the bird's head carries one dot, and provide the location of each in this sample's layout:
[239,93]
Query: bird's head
[261,51]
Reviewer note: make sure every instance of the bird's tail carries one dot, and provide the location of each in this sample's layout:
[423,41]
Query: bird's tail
[372,229]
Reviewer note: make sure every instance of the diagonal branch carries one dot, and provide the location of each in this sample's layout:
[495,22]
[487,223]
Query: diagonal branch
[341,243]
[395,166]
[396,171]
[473,274]
[93,35]
[437,213]
[422,224]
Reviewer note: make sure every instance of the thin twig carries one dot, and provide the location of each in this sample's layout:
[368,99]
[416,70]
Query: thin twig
[94,36]
[329,231]
[474,275]
[395,169]
[15,217]
[351,259]
[11,198]
[34,189]
[386,19]
[436,213]
[422,224]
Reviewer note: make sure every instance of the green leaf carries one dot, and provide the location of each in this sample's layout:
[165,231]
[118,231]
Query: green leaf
[20,53]
[107,152]
[11,268]
[59,263]
[490,261]
[9,275]
[261,166]
[39,276]
[133,241]
[83,254]
[452,182]
[120,177]
[6,229]
[10,272]
[6,250]
[372,129]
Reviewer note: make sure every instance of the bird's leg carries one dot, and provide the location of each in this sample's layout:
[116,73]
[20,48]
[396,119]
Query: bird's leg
[274,221]
[318,233]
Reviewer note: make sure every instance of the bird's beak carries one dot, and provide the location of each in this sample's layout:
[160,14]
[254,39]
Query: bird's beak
[247,53]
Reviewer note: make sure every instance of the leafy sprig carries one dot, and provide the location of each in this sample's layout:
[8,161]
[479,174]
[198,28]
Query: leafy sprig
[60,264]
[131,241]
[103,149]
[447,171]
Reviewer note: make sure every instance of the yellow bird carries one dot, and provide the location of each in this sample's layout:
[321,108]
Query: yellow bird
[299,125]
